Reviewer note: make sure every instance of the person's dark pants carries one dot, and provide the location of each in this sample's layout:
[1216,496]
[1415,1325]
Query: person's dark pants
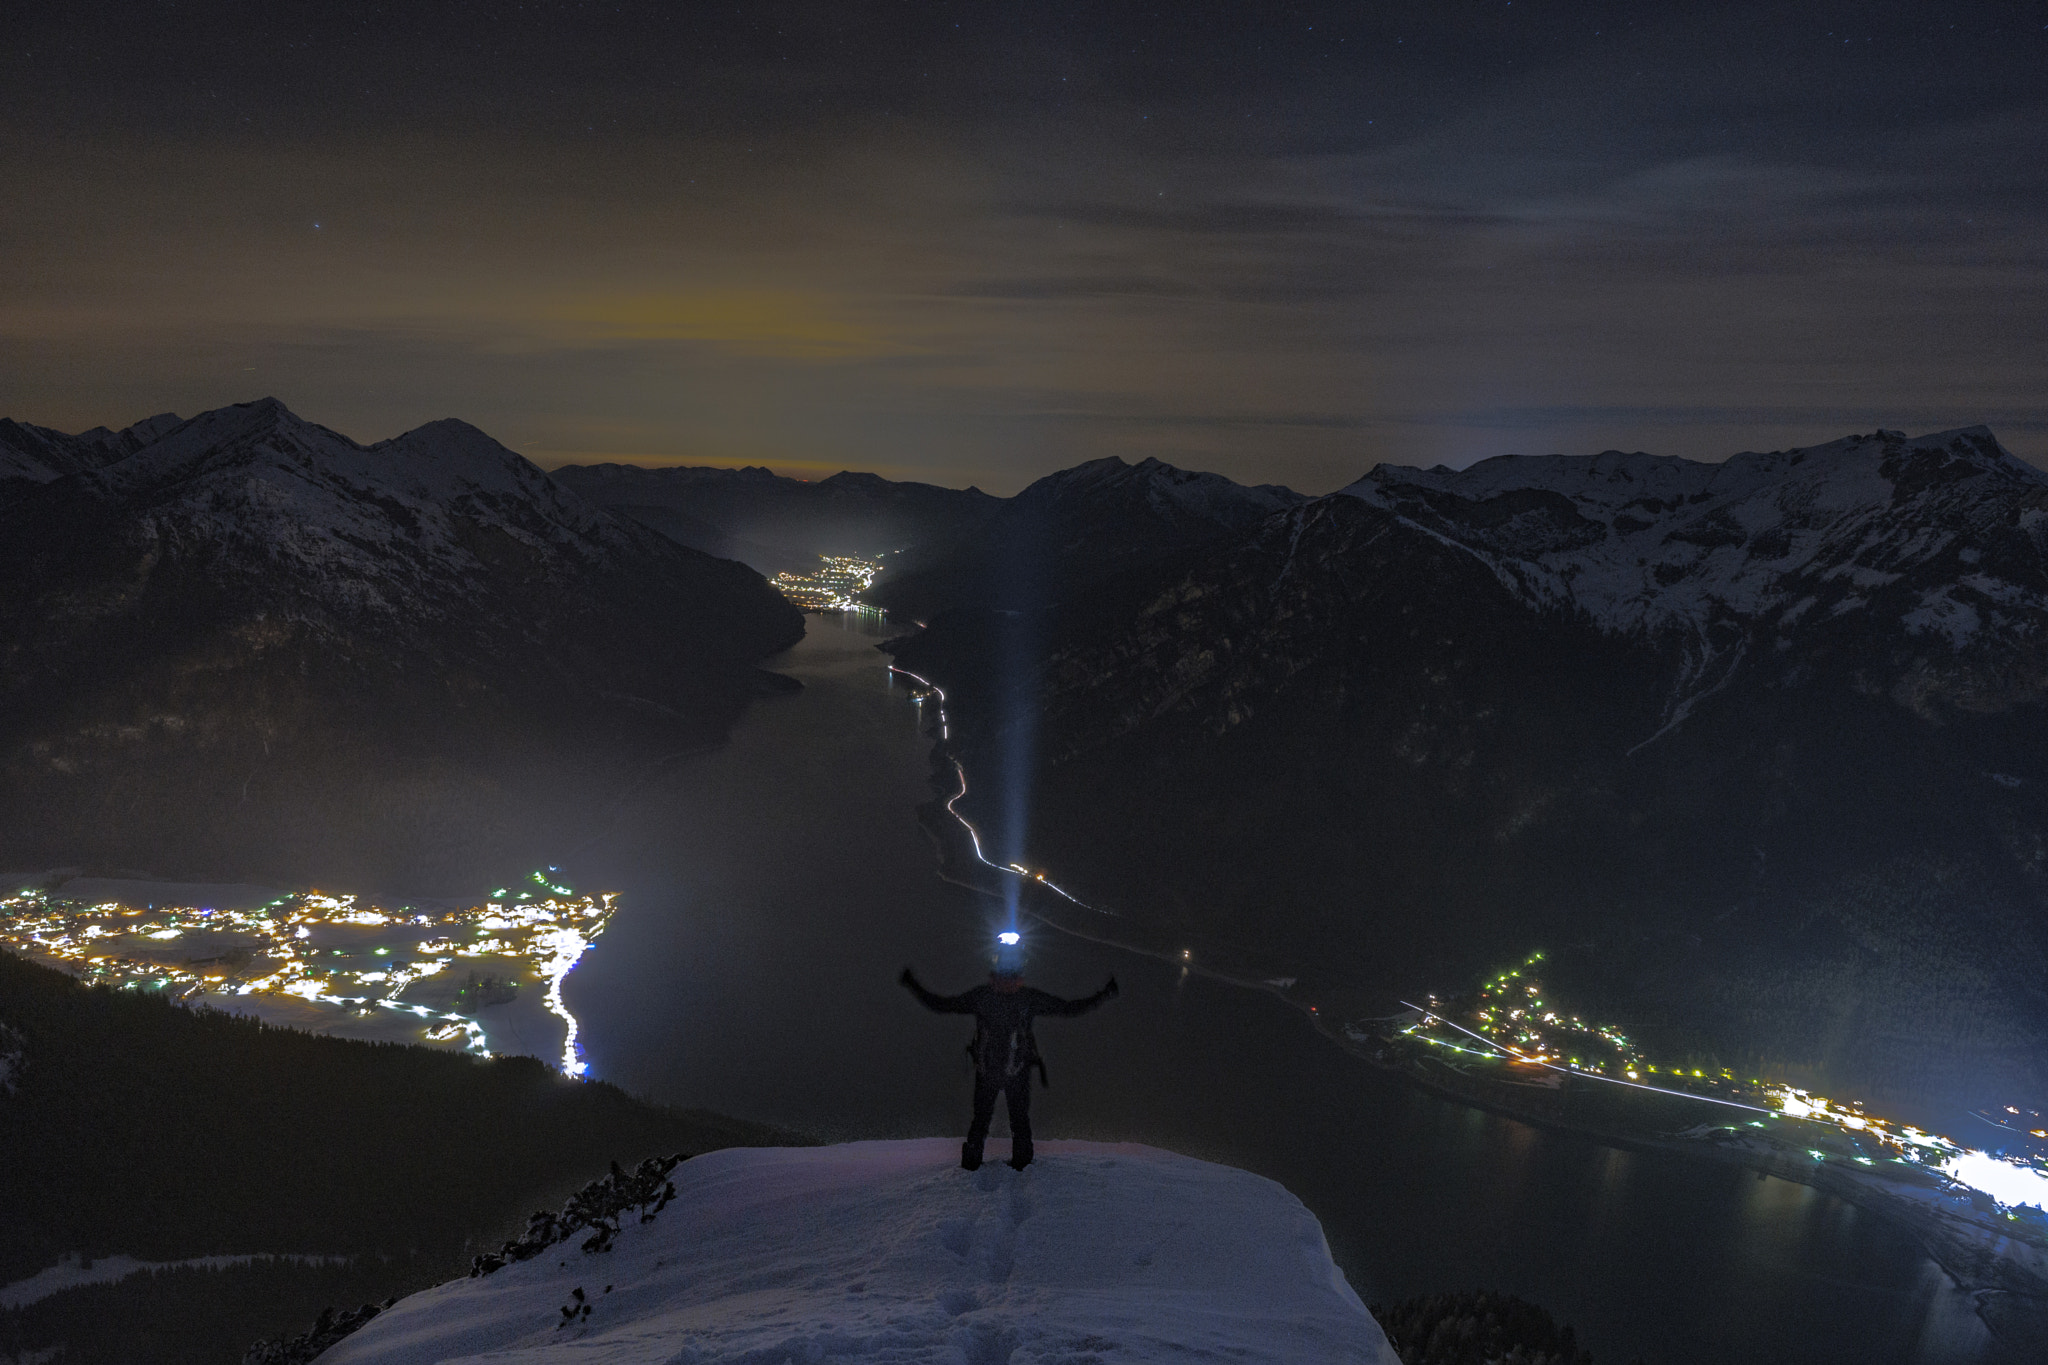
[1017,1090]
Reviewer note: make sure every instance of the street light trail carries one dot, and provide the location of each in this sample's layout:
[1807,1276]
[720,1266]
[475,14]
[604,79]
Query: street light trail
[2010,1175]
[973,833]
[1577,1071]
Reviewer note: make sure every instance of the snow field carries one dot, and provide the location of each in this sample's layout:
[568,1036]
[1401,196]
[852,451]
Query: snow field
[888,1252]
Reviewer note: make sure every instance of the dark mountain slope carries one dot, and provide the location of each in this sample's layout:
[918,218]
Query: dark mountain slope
[1072,531]
[1771,758]
[775,523]
[135,1127]
[255,639]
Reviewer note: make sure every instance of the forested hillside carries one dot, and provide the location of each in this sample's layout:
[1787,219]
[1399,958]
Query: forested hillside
[132,1126]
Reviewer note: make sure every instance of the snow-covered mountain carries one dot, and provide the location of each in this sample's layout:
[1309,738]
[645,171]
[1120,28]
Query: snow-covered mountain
[31,454]
[1640,541]
[1942,539]
[419,529]
[1098,1254]
[1767,738]
[246,585]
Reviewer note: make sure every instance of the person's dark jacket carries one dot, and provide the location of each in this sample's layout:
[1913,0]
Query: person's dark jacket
[1003,1047]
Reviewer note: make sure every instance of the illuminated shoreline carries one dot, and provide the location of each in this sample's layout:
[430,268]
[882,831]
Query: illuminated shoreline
[352,964]
[1958,1203]
[836,586]
[1520,1031]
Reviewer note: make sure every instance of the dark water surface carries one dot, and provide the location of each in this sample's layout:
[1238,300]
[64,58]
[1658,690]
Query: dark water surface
[774,889]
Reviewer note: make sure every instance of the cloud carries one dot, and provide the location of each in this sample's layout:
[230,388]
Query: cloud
[768,324]
[858,240]
[1071,287]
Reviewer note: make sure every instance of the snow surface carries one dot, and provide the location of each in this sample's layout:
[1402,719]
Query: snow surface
[1645,542]
[389,529]
[39,454]
[888,1252]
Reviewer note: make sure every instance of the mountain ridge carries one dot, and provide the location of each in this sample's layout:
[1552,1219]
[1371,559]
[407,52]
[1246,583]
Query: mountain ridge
[1382,742]
[775,523]
[250,583]
[33,454]
[1072,529]
[1760,550]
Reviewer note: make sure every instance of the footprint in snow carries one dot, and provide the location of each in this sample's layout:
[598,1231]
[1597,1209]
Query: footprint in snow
[956,1235]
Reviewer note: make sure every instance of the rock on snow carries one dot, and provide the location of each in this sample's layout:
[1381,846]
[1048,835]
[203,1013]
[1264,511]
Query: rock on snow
[888,1252]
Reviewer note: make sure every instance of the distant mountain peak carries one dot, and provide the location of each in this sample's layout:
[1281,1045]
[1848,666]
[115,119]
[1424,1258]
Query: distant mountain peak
[32,454]
[1084,527]
[1942,536]
[252,598]
[1093,477]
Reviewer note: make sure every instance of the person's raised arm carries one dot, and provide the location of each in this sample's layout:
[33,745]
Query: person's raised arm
[931,1000]
[1052,1004]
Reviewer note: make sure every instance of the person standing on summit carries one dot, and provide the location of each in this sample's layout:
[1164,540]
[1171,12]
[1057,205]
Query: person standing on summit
[1003,1049]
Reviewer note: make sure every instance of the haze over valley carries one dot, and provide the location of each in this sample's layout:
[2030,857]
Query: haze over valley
[1738,749]
[1050,684]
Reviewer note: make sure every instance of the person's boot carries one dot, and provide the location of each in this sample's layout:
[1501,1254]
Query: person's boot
[1020,1154]
[970,1156]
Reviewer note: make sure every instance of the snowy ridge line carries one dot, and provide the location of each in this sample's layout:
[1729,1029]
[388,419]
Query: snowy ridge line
[880,1253]
[71,1272]
[1641,542]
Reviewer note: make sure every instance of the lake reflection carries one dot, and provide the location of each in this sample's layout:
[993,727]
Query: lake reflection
[773,890]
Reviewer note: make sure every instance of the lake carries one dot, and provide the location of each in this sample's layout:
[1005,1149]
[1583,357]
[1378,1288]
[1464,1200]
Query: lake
[774,889]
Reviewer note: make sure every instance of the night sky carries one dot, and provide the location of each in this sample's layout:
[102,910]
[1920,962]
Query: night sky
[976,242]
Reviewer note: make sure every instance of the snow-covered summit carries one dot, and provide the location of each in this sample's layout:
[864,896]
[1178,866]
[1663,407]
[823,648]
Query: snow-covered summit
[1643,542]
[264,467]
[887,1251]
[414,526]
[248,532]
[33,454]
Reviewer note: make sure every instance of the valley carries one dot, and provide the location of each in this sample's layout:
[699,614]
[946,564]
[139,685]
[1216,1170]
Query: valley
[1353,748]
[1339,751]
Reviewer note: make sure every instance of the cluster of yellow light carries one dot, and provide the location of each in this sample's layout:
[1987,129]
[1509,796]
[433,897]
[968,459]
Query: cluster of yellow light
[323,949]
[835,586]
[1902,1138]
[1512,1012]
[1514,1025]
